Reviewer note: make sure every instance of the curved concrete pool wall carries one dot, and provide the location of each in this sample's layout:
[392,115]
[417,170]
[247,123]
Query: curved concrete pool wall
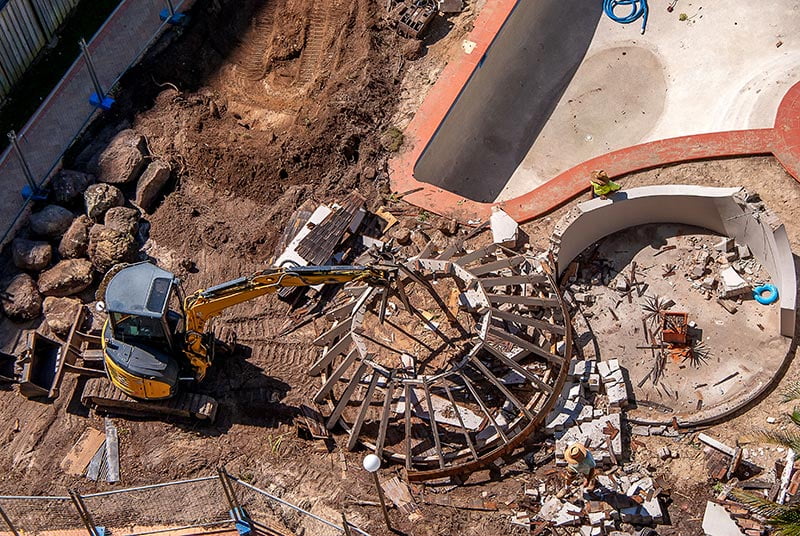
[722,210]
[509,97]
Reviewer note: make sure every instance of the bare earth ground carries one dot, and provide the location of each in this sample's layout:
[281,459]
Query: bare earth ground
[259,119]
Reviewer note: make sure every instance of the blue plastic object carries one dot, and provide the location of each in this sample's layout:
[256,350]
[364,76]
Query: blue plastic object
[101,101]
[241,520]
[178,19]
[638,9]
[33,194]
[771,296]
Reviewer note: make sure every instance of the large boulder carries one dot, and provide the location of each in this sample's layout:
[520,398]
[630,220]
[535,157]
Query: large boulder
[31,255]
[60,313]
[123,219]
[52,221]
[75,242]
[108,247]
[66,278]
[123,159]
[101,197]
[68,186]
[151,182]
[21,299]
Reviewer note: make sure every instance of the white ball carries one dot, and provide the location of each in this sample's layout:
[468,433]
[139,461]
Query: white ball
[372,463]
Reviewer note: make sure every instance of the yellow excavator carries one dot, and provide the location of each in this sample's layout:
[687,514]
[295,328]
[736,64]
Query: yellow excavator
[154,338]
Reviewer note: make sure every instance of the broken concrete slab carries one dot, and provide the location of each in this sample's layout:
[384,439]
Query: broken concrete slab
[504,229]
[732,284]
[717,521]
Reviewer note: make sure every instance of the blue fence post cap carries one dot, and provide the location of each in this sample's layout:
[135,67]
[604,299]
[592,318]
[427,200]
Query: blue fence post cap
[101,101]
[32,194]
[178,19]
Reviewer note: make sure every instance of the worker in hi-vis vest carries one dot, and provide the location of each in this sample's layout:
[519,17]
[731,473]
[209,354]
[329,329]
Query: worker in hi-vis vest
[602,185]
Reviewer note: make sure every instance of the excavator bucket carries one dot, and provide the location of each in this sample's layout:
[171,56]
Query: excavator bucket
[44,360]
[41,367]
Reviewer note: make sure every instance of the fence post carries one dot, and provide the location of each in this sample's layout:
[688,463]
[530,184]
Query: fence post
[84,513]
[98,99]
[241,519]
[31,191]
[11,526]
[346,526]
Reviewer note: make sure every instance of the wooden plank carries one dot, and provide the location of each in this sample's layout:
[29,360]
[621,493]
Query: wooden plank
[387,406]
[82,452]
[516,367]
[497,265]
[502,388]
[339,348]
[464,430]
[335,375]
[531,279]
[532,301]
[112,451]
[314,422]
[528,321]
[348,392]
[407,397]
[483,407]
[434,426]
[334,333]
[525,345]
[362,413]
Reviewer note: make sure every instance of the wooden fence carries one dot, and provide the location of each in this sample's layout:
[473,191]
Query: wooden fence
[26,26]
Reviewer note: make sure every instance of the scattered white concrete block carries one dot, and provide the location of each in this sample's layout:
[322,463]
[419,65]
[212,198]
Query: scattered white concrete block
[617,395]
[603,368]
[725,245]
[732,283]
[504,228]
[613,365]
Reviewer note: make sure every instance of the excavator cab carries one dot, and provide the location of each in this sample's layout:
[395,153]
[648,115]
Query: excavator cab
[140,338]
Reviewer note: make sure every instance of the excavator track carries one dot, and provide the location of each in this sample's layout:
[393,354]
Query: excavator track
[102,396]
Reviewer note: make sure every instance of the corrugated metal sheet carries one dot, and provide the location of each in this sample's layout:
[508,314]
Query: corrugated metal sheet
[25,28]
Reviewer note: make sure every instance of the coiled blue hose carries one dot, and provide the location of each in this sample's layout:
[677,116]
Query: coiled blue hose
[638,9]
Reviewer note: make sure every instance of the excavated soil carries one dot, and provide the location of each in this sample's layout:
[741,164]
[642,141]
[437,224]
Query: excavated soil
[258,106]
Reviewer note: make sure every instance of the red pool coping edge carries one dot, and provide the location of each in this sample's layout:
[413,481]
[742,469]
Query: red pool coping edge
[782,141]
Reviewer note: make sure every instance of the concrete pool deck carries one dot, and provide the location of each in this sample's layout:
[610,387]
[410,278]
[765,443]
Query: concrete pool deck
[459,157]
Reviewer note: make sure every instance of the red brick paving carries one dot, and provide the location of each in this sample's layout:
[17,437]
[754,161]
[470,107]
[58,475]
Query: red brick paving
[782,141]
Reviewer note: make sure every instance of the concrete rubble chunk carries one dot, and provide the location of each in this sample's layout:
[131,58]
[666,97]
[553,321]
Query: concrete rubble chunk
[504,228]
[664,453]
[717,521]
[621,285]
[98,198]
[451,6]
[743,252]
[640,430]
[60,313]
[21,300]
[617,395]
[31,255]
[150,184]
[732,284]
[75,242]
[725,245]
[123,158]
[66,278]
[51,221]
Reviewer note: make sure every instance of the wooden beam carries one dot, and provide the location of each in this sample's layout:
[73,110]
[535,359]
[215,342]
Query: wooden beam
[407,396]
[525,345]
[464,430]
[348,392]
[502,281]
[502,388]
[338,348]
[319,398]
[387,406]
[532,301]
[513,365]
[434,426]
[362,413]
[500,264]
[529,321]
[483,407]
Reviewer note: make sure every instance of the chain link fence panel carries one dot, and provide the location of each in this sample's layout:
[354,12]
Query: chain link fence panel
[31,516]
[62,117]
[147,509]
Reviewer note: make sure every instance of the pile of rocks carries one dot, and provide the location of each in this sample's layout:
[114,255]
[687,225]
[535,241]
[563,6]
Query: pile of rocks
[89,224]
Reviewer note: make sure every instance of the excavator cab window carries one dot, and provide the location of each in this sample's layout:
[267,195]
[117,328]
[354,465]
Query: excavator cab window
[133,329]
